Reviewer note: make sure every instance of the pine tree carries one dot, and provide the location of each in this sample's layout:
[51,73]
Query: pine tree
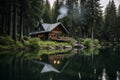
[83,19]
[46,13]
[93,15]
[110,21]
[10,18]
[32,15]
[119,10]
[117,29]
[3,14]
[74,17]
[55,9]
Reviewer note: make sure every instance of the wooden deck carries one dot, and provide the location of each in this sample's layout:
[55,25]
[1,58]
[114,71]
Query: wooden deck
[64,39]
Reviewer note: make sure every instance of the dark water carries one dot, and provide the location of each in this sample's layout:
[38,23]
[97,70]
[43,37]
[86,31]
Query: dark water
[74,65]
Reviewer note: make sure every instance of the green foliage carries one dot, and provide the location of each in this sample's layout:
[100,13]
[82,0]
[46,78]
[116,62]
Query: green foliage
[6,40]
[88,42]
[55,9]
[91,17]
[110,21]
[46,12]
[95,41]
[90,51]
[3,47]
[33,43]
[26,38]
[17,45]
[71,40]
[36,43]
[8,43]
[35,54]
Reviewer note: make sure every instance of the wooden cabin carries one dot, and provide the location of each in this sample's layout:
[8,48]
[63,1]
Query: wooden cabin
[54,31]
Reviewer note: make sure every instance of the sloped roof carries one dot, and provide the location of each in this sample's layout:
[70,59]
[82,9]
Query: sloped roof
[49,27]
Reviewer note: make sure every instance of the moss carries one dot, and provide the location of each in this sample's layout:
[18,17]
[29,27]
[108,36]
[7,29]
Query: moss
[7,43]
[6,40]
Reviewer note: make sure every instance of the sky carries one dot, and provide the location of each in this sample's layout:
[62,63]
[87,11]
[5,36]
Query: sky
[51,2]
[103,3]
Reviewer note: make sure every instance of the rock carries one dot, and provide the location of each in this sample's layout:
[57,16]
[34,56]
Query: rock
[68,47]
[76,45]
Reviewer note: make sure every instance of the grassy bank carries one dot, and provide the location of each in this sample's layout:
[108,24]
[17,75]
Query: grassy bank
[36,43]
[7,43]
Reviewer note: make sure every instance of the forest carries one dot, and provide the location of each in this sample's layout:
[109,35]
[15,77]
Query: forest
[84,19]
[90,50]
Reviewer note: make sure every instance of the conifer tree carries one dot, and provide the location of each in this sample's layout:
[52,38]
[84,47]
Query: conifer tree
[119,11]
[110,21]
[55,9]
[46,13]
[117,28]
[93,15]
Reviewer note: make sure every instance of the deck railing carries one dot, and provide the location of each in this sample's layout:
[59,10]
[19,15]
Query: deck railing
[60,38]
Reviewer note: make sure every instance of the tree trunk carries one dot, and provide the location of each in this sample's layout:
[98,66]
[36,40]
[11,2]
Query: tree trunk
[21,23]
[92,29]
[10,19]
[92,33]
[2,25]
[3,21]
[15,23]
[118,40]
[28,30]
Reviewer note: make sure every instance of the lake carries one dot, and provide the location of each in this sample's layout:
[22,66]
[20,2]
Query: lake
[92,64]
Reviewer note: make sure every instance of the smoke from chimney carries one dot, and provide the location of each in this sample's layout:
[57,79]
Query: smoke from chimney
[63,12]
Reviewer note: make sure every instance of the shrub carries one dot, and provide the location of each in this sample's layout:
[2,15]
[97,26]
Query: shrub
[17,45]
[90,43]
[26,38]
[96,43]
[6,40]
[34,43]
[71,40]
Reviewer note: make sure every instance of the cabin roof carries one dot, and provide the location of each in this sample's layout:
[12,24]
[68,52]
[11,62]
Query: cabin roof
[49,27]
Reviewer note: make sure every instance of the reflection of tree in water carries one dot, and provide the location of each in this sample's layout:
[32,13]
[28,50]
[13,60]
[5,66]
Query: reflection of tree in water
[92,69]
[91,51]
[118,75]
[75,66]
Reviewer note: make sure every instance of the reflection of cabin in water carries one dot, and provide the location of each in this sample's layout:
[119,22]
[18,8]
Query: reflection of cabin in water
[54,31]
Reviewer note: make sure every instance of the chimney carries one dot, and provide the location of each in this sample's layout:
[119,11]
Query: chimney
[41,21]
[58,20]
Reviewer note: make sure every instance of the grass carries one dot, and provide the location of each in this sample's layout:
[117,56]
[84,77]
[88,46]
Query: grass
[7,43]
[36,43]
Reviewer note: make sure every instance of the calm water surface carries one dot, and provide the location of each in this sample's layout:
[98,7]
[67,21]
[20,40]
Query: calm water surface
[74,65]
